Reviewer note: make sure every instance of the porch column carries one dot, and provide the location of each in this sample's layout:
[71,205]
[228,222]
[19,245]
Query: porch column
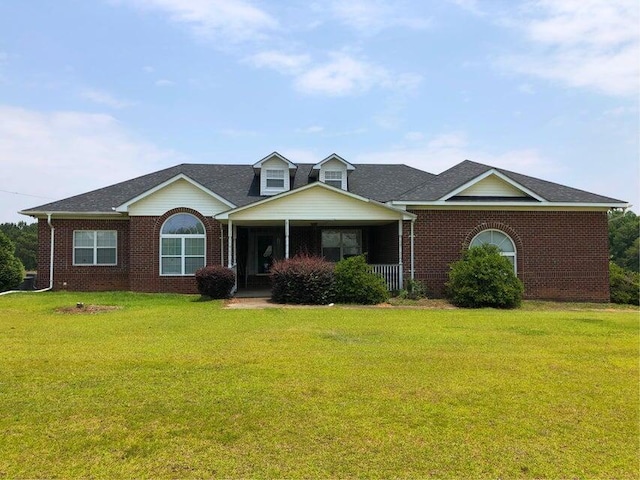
[235,244]
[230,244]
[400,253]
[286,238]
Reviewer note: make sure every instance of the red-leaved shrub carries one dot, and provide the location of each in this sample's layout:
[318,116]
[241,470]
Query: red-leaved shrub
[303,279]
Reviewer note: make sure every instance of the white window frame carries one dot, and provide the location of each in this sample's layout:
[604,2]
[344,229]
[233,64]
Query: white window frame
[341,232]
[278,174]
[333,181]
[183,256]
[513,254]
[95,248]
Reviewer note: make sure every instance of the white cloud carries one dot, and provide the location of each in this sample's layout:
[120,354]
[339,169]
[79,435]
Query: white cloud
[342,75]
[448,149]
[311,129]
[59,154]
[592,44]
[229,21]
[104,98]
[371,16]
[284,62]
[164,82]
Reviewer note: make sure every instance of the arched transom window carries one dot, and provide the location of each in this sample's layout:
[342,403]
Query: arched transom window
[182,245]
[499,239]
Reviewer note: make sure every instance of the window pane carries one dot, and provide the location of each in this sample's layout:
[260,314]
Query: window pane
[171,246]
[84,256]
[106,256]
[194,246]
[334,183]
[351,244]
[482,238]
[275,173]
[106,239]
[275,183]
[331,254]
[191,264]
[330,238]
[182,224]
[83,239]
[171,266]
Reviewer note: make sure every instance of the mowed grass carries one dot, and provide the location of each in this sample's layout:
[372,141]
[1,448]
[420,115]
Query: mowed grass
[170,387]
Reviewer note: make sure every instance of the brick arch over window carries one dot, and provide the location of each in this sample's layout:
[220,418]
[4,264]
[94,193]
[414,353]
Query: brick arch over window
[503,228]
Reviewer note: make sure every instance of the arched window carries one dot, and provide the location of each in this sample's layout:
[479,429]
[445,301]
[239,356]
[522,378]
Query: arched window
[182,245]
[499,239]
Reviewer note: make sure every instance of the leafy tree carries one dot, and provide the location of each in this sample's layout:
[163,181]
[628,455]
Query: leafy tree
[484,278]
[25,238]
[624,285]
[11,269]
[624,242]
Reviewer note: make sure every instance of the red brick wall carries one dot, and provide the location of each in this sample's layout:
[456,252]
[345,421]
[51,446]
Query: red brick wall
[560,255]
[144,254]
[88,277]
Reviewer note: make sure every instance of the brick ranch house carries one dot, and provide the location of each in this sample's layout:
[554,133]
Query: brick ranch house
[153,232]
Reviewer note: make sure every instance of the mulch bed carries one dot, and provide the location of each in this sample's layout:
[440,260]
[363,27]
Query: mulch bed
[90,309]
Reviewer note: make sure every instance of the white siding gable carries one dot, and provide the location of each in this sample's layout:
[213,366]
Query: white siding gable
[492,186]
[334,166]
[177,194]
[319,203]
[273,164]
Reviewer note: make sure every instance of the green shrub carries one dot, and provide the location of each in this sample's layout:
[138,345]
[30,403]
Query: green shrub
[624,285]
[215,281]
[415,290]
[356,283]
[303,279]
[11,269]
[484,278]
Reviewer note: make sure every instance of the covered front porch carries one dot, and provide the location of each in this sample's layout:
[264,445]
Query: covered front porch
[317,220]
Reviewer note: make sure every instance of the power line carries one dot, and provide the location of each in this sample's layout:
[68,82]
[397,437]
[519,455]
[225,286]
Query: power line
[26,194]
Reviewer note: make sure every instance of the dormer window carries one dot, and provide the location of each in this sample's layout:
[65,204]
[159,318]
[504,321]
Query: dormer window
[334,178]
[275,178]
[275,173]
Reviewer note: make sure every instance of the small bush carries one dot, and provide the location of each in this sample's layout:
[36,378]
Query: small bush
[624,285]
[215,281]
[415,290]
[11,269]
[303,279]
[356,283]
[484,278]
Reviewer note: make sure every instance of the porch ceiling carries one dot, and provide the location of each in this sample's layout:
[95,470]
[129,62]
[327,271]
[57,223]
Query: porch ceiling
[308,223]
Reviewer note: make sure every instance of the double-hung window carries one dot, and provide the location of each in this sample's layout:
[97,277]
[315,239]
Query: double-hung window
[333,178]
[95,247]
[339,244]
[182,245]
[275,178]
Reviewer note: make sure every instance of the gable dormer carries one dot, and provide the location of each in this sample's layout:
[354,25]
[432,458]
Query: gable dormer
[333,170]
[275,172]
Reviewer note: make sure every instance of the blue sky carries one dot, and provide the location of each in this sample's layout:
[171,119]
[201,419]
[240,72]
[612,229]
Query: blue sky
[96,92]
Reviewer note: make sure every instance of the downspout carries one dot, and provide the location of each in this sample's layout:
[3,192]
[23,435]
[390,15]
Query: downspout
[50,265]
[412,250]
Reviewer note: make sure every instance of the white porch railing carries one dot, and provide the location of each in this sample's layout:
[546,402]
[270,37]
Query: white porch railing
[391,274]
[234,269]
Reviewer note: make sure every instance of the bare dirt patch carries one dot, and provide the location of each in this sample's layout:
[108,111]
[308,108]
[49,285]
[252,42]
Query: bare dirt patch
[87,309]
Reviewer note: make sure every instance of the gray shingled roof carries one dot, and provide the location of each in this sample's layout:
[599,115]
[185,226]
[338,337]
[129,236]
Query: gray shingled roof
[453,178]
[239,185]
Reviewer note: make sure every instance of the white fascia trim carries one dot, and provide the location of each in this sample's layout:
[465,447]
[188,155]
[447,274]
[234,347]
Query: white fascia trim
[501,176]
[405,215]
[528,205]
[290,164]
[334,156]
[69,214]
[181,176]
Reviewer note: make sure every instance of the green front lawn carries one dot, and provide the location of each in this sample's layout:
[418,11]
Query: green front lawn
[169,387]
